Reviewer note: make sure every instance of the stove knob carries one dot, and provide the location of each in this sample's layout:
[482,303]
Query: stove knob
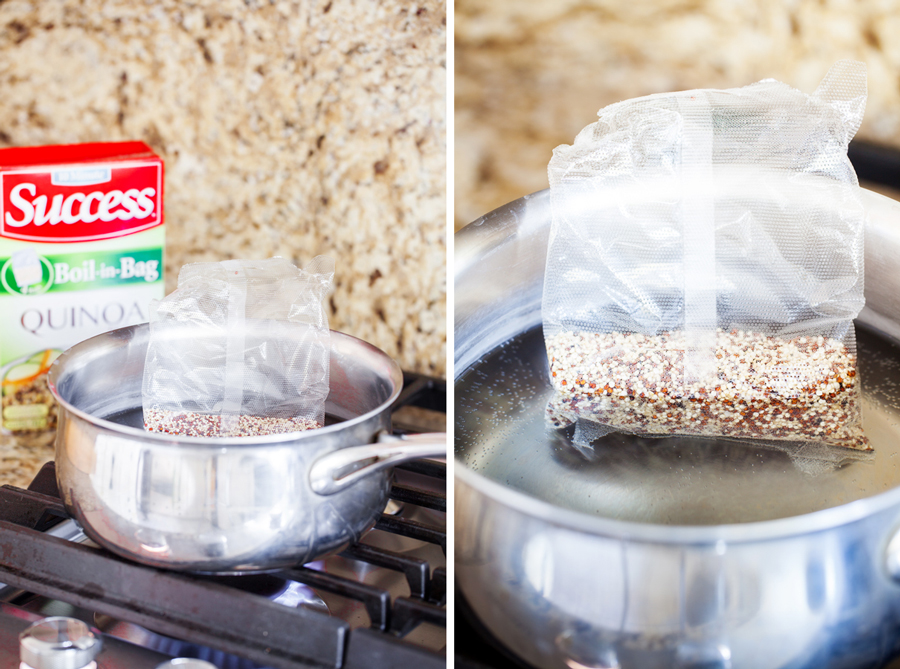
[186,663]
[59,643]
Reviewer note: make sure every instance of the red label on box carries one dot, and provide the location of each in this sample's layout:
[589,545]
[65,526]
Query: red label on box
[80,202]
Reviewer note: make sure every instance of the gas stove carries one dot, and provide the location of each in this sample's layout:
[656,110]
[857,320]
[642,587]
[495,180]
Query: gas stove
[378,604]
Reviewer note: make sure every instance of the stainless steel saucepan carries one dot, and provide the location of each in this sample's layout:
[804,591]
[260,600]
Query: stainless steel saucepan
[650,553]
[229,504]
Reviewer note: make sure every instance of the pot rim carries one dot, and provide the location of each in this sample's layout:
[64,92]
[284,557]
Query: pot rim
[220,442]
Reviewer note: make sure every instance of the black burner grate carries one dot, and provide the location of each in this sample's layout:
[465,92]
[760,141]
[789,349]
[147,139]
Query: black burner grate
[219,612]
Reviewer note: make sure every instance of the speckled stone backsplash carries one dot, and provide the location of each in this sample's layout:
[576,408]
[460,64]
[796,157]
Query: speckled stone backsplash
[530,75]
[287,128]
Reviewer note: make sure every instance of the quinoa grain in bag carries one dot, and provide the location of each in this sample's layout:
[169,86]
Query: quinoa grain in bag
[241,348]
[706,263]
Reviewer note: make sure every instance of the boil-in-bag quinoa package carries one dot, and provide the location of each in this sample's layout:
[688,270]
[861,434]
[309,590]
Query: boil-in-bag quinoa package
[705,265]
[241,348]
[82,235]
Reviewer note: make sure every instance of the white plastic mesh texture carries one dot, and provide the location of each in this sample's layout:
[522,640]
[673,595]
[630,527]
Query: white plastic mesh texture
[240,348]
[714,223]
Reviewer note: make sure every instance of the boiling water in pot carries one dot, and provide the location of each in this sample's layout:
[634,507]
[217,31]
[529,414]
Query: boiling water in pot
[502,433]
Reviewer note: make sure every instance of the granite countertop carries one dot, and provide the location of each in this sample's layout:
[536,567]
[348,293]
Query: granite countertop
[530,76]
[23,455]
[287,128]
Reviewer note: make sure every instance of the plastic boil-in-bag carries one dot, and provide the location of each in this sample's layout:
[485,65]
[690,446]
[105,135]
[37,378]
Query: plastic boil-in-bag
[240,348]
[705,264]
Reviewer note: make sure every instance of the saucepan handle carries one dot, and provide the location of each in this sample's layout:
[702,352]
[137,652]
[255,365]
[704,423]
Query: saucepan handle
[344,467]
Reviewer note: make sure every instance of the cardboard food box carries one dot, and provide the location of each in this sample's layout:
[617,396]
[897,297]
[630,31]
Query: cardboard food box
[81,252]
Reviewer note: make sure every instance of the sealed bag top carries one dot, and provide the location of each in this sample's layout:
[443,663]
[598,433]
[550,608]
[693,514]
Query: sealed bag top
[675,204]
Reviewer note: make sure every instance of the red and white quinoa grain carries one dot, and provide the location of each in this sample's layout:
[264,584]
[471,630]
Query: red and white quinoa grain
[192,424]
[805,388]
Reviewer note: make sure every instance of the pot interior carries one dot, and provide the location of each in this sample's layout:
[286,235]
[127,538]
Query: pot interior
[502,433]
[101,378]
[502,390]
